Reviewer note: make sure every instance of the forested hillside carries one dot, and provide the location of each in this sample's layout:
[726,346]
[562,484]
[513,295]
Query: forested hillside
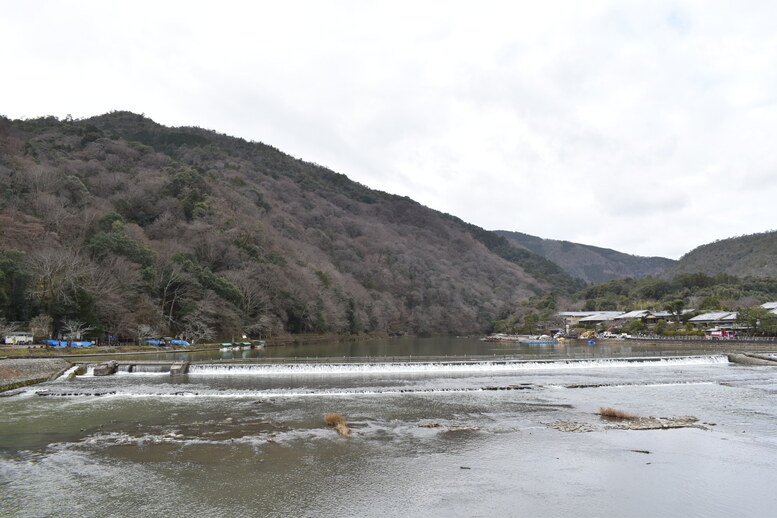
[754,255]
[590,263]
[132,229]
[694,291]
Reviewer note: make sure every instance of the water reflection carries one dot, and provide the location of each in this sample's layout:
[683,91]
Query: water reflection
[466,347]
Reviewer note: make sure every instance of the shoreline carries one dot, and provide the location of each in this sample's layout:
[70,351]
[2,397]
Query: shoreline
[40,351]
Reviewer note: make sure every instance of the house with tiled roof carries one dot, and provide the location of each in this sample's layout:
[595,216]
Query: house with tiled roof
[714,318]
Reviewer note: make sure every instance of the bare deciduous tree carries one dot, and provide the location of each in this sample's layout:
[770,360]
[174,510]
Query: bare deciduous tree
[253,296]
[6,328]
[73,330]
[175,287]
[40,326]
[195,331]
[263,327]
[145,332]
[58,274]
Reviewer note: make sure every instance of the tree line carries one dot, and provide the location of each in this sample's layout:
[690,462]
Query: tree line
[699,292]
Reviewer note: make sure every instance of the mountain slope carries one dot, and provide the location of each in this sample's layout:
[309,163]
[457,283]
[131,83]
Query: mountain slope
[134,228]
[590,263]
[754,255]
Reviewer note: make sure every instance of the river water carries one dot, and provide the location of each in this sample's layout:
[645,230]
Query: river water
[440,427]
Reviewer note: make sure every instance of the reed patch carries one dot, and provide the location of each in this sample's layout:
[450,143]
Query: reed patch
[612,413]
[338,422]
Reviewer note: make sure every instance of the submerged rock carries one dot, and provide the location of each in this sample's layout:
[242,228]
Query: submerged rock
[640,423]
[571,426]
[661,423]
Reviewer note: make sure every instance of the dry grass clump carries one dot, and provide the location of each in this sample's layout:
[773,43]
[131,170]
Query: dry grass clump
[616,414]
[338,422]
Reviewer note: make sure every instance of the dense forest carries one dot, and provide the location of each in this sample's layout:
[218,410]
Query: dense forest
[697,290]
[118,226]
[752,255]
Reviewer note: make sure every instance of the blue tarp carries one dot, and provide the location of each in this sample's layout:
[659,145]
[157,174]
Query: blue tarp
[168,342]
[66,343]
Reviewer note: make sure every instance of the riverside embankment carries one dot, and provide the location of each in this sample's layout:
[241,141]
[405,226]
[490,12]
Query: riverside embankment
[22,366]
[19,372]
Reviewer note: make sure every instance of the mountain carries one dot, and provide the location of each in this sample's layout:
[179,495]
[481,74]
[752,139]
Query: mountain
[134,229]
[745,256]
[590,263]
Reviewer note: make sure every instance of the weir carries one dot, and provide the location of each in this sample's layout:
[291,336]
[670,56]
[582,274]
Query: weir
[139,366]
[448,365]
[452,367]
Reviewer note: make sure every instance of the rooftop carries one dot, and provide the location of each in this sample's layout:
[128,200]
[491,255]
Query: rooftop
[602,316]
[715,316]
[635,314]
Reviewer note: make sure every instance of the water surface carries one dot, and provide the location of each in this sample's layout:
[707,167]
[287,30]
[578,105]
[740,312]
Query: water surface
[449,437]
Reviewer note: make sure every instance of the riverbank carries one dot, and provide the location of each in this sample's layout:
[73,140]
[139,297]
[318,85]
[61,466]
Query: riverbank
[39,351]
[20,372]
[73,353]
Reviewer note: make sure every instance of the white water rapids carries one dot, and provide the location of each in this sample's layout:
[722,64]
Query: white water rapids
[462,367]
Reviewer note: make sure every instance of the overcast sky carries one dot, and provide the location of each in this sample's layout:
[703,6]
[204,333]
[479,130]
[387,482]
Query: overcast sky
[647,127]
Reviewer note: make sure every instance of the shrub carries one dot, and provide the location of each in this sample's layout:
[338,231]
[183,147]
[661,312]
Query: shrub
[338,422]
[616,414]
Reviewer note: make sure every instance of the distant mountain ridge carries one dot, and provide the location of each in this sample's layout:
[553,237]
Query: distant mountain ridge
[590,263]
[752,255]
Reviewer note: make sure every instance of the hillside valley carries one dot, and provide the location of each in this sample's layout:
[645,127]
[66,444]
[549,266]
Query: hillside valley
[591,263]
[116,225]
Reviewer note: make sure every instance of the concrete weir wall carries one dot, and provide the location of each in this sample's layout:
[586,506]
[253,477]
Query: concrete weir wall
[113,366]
[752,359]
[18,372]
[179,368]
[106,368]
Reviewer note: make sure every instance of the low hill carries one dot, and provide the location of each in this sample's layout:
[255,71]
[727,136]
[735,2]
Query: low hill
[590,263]
[745,256]
[133,229]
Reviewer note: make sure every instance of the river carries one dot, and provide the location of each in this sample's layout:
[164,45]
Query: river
[440,427]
